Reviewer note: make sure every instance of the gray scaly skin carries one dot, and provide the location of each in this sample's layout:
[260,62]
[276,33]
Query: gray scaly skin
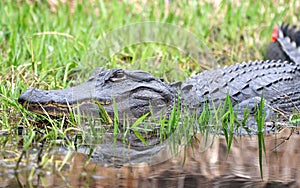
[136,92]
[279,81]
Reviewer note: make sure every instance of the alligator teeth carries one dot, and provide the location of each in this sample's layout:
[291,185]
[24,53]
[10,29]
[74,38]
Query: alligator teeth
[107,102]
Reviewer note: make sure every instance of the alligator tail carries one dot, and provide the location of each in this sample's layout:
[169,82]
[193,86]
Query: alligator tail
[286,44]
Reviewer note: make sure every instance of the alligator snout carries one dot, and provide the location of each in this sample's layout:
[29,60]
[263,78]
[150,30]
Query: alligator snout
[38,96]
[40,101]
[31,95]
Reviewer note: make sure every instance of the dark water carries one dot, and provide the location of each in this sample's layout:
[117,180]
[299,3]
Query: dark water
[197,166]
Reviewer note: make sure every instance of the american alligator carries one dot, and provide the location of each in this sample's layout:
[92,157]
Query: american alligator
[136,93]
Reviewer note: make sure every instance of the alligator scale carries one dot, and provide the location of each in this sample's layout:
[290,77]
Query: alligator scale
[136,92]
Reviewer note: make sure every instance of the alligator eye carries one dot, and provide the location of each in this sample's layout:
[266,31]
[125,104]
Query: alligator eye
[118,76]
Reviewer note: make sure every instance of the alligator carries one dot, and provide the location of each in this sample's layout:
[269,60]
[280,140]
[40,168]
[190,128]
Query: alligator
[136,93]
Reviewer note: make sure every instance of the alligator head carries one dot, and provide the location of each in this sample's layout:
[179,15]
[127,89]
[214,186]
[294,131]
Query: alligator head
[134,94]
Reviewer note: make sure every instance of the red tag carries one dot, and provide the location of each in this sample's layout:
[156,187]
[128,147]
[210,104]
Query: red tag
[275,34]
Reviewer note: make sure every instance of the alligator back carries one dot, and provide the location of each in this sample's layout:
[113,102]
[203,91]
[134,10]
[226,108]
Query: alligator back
[279,81]
[286,44]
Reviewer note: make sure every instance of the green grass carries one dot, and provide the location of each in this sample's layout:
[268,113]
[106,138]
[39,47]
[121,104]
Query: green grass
[45,48]
[260,119]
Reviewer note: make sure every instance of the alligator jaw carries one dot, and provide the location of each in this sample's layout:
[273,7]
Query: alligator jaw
[56,103]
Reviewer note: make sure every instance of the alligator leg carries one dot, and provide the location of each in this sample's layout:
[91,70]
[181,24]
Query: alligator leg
[251,106]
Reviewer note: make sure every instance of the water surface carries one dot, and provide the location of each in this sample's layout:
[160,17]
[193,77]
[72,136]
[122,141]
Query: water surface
[198,165]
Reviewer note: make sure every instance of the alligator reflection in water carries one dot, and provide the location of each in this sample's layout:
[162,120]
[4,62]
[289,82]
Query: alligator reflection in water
[201,168]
